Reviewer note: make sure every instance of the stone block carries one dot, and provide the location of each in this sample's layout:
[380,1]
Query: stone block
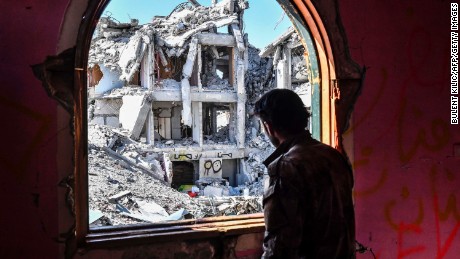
[112,122]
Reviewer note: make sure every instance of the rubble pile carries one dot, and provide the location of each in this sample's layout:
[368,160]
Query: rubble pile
[220,137]
[259,148]
[259,77]
[227,206]
[164,88]
[123,189]
[121,46]
[126,172]
[126,90]
[185,142]
[109,40]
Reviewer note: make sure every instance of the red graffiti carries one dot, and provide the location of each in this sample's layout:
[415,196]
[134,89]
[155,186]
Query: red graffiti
[442,250]
[403,228]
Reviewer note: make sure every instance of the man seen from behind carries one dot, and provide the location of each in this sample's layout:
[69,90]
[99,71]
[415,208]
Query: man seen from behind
[308,206]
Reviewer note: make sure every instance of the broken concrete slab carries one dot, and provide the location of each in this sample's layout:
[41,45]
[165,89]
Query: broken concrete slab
[132,55]
[114,198]
[150,212]
[179,41]
[94,215]
[157,174]
[186,102]
[270,48]
[216,39]
[191,56]
[238,37]
[178,215]
[133,113]
[163,59]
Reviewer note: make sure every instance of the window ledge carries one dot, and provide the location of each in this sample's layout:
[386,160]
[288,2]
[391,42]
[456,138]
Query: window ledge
[174,231]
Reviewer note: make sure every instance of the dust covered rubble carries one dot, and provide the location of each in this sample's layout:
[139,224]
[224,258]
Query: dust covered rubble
[121,46]
[125,169]
[121,194]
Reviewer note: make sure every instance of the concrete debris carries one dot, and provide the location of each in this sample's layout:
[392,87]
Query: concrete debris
[133,113]
[178,215]
[227,206]
[121,208]
[94,215]
[151,209]
[117,196]
[215,191]
[121,46]
[172,133]
[135,193]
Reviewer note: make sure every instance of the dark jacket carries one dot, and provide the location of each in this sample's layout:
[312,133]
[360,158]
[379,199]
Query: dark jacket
[308,206]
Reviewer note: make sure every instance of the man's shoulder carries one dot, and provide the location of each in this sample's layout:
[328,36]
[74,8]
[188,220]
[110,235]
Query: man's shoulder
[309,148]
[314,152]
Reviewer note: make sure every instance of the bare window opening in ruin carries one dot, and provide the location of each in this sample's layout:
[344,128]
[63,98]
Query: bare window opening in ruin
[169,121]
[217,126]
[216,73]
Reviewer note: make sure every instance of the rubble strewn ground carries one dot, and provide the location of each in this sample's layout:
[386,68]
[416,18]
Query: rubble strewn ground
[109,177]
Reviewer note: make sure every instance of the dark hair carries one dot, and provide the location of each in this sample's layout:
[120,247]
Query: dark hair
[283,110]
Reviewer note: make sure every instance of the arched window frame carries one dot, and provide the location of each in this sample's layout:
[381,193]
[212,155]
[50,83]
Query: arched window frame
[330,76]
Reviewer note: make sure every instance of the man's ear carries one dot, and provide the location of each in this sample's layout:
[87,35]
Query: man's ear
[268,128]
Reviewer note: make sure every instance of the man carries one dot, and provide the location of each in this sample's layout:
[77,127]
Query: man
[308,206]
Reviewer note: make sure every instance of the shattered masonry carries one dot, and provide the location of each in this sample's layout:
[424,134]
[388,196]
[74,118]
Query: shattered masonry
[170,106]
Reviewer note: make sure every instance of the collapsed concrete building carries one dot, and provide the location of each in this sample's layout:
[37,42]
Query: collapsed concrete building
[177,96]
[289,62]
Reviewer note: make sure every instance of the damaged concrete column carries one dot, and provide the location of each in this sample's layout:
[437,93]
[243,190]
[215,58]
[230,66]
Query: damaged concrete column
[147,81]
[200,65]
[283,69]
[147,68]
[241,104]
[150,128]
[238,37]
[232,127]
[186,102]
[276,56]
[288,68]
[281,74]
[185,83]
[197,130]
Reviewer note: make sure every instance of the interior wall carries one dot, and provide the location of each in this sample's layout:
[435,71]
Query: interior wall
[406,176]
[29,31]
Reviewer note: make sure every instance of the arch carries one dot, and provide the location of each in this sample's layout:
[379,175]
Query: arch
[336,77]
[334,74]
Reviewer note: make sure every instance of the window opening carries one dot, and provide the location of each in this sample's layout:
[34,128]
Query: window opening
[216,71]
[218,123]
[169,110]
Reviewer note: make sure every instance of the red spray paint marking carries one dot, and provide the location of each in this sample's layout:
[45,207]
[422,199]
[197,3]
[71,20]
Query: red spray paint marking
[441,251]
[403,228]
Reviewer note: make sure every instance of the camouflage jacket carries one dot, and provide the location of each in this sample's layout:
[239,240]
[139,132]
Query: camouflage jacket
[308,206]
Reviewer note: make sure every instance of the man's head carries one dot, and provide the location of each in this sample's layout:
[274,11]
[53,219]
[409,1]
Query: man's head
[282,113]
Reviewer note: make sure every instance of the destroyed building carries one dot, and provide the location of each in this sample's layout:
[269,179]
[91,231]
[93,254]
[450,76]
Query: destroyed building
[175,97]
[281,64]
